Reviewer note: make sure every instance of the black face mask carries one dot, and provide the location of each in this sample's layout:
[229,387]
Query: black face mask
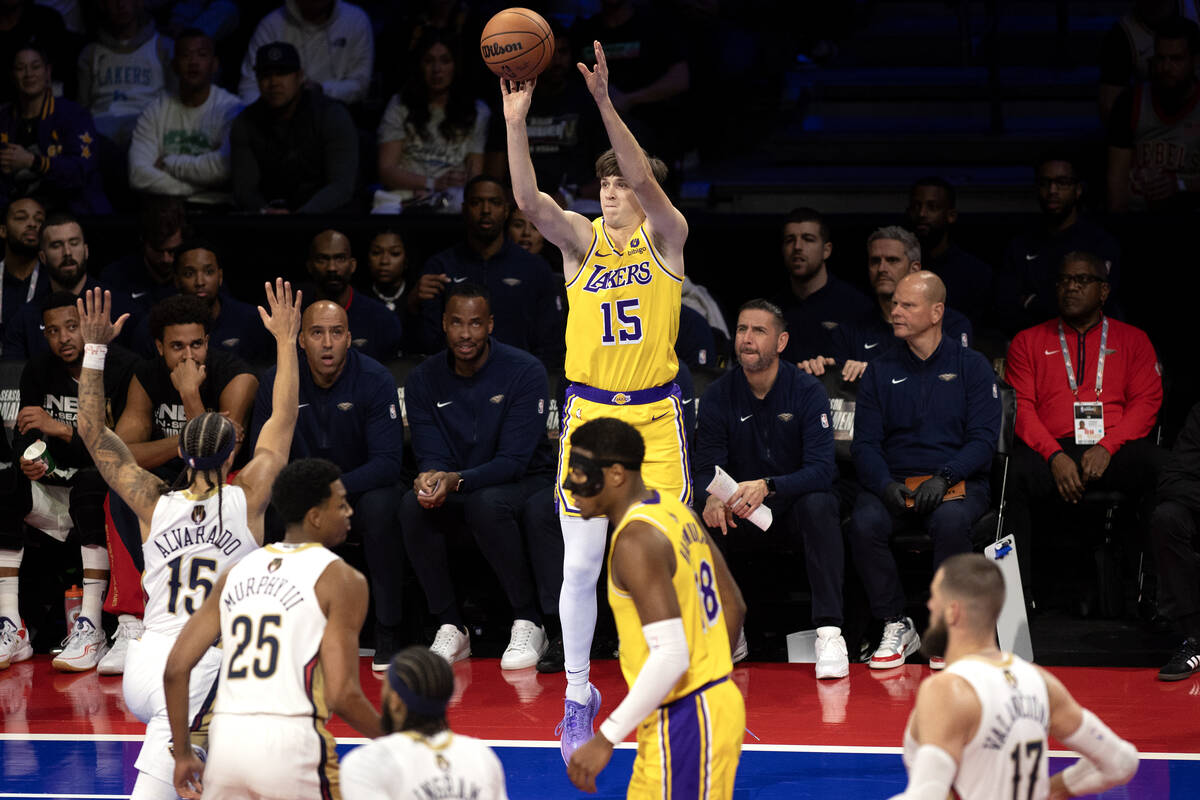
[593,472]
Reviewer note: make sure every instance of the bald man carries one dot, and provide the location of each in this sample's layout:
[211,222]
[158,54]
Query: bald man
[375,331]
[349,415]
[929,408]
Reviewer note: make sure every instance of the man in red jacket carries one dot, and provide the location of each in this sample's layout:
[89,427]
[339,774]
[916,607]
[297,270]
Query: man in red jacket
[1088,391]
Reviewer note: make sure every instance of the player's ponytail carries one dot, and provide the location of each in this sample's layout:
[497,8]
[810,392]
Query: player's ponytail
[206,443]
[424,682]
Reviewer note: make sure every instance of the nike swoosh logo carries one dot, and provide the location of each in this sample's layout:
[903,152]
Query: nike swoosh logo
[748,416]
[1051,352]
[460,280]
[443,405]
[602,255]
[689,401]
[898,380]
[870,346]
[1030,257]
[302,405]
[136,295]
[656,419]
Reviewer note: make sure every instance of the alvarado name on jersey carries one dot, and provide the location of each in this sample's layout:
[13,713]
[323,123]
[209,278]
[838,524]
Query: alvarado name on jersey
[179,538]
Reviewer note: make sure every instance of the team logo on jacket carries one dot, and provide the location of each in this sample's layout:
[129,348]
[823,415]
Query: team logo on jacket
[511,281]
[275,564]
[230,342]
[198,514]
[787,417]
[358,342]
[620,399]
[829,325]
[947,376]
[496,398]
[345,406]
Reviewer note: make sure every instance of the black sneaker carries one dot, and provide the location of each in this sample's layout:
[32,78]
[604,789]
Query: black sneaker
[1184,663]
[552,659]
[387,640]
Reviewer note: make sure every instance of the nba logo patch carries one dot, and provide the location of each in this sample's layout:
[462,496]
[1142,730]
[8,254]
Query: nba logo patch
[392,410]
[995,391]
[541,406]
[275,564]
[198,514]
[963,337]
[824,420]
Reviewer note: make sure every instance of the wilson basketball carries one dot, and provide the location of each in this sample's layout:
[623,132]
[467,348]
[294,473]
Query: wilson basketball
[517,44]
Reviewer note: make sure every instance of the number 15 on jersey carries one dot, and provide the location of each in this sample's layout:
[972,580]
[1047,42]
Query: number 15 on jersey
[622,324]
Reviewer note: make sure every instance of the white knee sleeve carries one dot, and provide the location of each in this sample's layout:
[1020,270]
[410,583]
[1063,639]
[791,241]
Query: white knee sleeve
[583,557]
[11,558]
[94,556]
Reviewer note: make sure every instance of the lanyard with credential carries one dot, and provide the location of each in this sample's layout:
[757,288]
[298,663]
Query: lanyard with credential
[1062,340]
[33,279]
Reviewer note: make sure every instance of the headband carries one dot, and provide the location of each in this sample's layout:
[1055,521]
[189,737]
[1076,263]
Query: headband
[416,703]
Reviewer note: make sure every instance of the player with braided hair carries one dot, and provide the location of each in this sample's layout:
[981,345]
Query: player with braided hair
[188,541]
[422,754]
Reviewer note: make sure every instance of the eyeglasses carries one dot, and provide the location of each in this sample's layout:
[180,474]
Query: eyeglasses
[1082,280]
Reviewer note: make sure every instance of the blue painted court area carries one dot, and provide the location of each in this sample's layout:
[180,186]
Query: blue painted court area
[101,768]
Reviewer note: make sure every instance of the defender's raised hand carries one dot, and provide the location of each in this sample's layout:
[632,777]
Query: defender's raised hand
[282,315]
[596,79]
[95,312]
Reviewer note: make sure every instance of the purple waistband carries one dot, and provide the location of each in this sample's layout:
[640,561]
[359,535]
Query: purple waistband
[634,398]
[694,692]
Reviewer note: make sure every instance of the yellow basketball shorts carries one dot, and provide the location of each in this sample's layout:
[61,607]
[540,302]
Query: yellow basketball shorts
[658,416]
[689,749]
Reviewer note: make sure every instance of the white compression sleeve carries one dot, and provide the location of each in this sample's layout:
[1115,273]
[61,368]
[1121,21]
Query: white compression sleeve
[931,775]
[667,662]
[1108,760]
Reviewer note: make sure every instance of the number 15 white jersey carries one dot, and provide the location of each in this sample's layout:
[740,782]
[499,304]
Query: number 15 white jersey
[192,542]
[1007,758]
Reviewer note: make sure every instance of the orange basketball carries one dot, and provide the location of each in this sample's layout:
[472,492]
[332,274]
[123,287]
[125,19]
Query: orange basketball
[517,44]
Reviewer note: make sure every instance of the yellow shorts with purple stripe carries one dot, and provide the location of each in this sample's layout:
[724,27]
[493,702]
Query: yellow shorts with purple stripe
[689,749]
[658,416]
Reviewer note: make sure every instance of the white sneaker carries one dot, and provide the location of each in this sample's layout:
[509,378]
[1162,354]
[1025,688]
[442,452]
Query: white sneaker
[741,649]
[83,648]
[128,628]
[832,658]
[452,644]
[14,643]
[526,644]
[900,640]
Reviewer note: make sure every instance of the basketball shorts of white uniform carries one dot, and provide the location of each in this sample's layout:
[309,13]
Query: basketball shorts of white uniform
[142,686]
[270,757]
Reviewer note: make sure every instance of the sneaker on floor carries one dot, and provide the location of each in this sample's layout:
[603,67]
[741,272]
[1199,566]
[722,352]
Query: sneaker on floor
[833,660]
[14,643]
[937,663]
[741,649]
[553,660]
[577,723]
[113,662]
[1184,663]
[386,646]
[900,640]
[526,645]
[83,649]
[451,644]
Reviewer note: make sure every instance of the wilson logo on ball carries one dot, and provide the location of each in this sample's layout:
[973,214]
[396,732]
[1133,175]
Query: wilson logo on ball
[493,50]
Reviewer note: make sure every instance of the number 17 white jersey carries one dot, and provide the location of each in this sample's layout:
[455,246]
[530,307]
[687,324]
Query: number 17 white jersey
[193,539]
[1008,755]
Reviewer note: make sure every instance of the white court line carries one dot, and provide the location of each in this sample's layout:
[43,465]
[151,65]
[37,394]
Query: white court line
[538,743]
[59,796]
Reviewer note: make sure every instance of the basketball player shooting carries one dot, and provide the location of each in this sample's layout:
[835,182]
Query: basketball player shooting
[624,274]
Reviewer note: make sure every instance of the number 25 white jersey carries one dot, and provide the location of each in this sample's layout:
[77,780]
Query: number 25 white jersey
[191,543]
[1008,755]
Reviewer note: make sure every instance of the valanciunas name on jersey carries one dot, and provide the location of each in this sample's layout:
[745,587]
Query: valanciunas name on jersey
[1019,706]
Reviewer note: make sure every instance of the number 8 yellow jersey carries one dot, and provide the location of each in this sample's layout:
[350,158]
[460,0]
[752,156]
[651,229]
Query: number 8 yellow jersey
[695,584]
[623,315]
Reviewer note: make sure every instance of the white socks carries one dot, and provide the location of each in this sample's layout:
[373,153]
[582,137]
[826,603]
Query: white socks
[93,557]
[583,558]
[9,606]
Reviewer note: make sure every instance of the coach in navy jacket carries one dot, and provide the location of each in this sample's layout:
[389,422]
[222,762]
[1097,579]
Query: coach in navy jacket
[477,413]
[767,424]
[930,407]
[349,415]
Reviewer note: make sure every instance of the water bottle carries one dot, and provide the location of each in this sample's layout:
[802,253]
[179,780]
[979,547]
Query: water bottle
[72,605]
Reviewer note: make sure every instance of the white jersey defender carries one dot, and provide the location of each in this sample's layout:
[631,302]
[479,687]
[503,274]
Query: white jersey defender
[1008,755]
[408,765]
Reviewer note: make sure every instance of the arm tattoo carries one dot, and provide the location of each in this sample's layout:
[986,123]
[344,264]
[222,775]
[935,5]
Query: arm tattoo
[137,487]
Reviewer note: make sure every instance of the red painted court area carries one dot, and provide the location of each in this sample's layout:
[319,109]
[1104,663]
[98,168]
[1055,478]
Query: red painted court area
[785,704]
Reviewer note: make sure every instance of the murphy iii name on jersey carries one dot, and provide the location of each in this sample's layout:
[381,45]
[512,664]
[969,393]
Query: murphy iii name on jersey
[263,586]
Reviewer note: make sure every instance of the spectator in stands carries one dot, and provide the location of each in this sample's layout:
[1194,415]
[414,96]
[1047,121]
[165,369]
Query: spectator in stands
[477,415]
[181,141]
[1128,48]
[520,285]
[334,40]
[348,415]
[1062,370]
[48,144]
[293,150]
[375,331]
[1153,136]
[64,253]
[1026,286]
[123,69]
[892,253]
[1174,530]
[648,71]
[432,134]
[818,301]
[22,279]
[768,425]
[928,409]
[147,275]
[932,211]
[387,262]
[49,401]
[22,23]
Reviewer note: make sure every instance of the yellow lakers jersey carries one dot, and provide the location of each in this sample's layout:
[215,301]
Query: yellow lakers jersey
[695,584]
[623,315]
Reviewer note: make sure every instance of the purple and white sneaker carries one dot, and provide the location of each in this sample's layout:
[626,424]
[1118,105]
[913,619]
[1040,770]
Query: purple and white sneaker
[577,724]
